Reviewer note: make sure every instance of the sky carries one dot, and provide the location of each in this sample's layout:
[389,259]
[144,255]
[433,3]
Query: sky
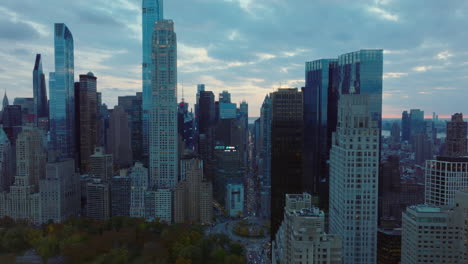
[249,47]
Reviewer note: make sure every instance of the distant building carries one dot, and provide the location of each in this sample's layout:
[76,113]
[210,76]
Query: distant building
[86,119]
[98,200]
[41,103]
[389,246]
[27,109]
[23,200]
[101,165]
[60,192]
[120,195]
[405,127]
[133,107]
[158,205]
[287,132]
[430,236]
[397,194]
[354,174]
[395,133]
[456,141]
[193,196]
[119,138]
[139,187]
[12,116]
[416,119]
[6,162]
[444,177]
[301,239]
[234,199]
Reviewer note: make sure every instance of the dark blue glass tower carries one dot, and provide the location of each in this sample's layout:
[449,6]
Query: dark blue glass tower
[39,91]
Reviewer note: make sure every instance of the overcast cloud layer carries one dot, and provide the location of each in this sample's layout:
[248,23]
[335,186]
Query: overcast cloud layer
[249,47]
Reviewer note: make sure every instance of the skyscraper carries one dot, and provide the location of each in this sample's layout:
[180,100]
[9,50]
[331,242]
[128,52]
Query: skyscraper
[163,116]
[133,106]
[119,138]
[417,126]
[5,102]
[152,11]
[456,142]
[286,150]
[320,113]
[62,110]
[39,91]
[264,162]
[405,126]
[354,170]
[98,200]
[86,119]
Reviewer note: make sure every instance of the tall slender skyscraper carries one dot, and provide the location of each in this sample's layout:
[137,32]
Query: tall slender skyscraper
[163,116]
[119,138]
[354,169]
[39,91]
[320,113]
[152,11]
[405,126]
[287,132]
[86,119]
[62,96]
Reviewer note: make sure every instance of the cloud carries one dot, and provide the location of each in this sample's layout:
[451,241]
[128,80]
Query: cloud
[394,75]
[383,14]
[422,68]
[249,46]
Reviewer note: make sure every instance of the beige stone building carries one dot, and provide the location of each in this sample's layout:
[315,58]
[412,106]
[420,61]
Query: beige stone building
[193,196]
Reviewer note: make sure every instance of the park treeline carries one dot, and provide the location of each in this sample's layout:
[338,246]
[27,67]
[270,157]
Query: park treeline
[119,240]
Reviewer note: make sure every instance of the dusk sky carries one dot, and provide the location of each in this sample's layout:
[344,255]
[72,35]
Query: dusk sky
[249,47]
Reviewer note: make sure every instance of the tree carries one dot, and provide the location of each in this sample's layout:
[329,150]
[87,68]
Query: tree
[47,248]
[236,249]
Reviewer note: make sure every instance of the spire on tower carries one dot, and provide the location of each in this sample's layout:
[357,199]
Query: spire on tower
[5,101]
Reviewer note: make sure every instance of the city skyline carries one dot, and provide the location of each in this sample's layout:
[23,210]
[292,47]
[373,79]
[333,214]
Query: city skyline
[419,64]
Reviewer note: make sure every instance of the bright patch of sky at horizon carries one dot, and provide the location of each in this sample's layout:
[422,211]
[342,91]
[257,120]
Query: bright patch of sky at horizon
[249,47]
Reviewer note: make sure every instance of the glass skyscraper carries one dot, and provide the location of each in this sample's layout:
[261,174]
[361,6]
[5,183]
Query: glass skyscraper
[62,93]
[39,90]
[359,72]
[152,11]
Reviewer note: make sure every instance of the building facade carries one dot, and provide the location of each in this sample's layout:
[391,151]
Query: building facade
[119,138]
[61,85]
[86,119]
[301,238]
[286,150]
[444,177]
[456,142]
[39,91]
[101,165]
[234,201]
[430,236]
[60,192]
[354,174]
[98,200]
[139,187]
